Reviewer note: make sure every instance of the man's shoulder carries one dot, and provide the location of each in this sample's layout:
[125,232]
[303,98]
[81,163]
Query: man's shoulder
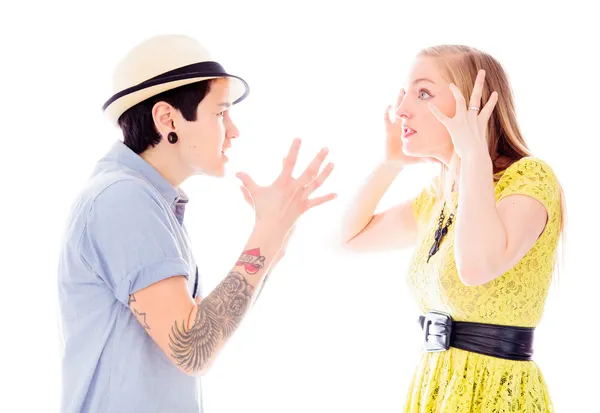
[110,190]
[119,186]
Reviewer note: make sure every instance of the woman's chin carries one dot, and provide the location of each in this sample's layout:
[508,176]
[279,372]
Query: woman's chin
[413,153]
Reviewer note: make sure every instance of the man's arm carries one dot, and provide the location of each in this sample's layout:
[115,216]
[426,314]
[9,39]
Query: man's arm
[191,333]
[276,260]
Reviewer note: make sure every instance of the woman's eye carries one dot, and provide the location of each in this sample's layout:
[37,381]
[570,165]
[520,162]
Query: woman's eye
[424,94]
[221,113]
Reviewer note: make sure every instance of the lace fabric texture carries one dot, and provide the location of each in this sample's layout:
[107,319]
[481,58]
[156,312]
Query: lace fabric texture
[460,381]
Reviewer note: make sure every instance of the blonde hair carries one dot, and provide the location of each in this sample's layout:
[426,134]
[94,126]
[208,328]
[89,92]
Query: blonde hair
[505,140]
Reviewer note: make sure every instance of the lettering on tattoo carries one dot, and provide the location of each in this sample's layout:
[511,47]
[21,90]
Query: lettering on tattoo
[217,318]
[251,260]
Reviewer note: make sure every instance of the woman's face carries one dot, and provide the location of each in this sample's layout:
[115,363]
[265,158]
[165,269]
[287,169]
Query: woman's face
[423,135]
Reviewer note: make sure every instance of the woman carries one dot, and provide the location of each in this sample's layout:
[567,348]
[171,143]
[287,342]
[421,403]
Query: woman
[485,234]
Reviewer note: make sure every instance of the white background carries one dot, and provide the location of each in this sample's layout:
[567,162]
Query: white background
[333,331]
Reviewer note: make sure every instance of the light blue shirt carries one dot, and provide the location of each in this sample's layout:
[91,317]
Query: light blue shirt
[125,232]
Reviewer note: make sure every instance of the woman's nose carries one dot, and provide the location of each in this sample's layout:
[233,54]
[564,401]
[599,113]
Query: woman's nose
[402,113]
[402,110]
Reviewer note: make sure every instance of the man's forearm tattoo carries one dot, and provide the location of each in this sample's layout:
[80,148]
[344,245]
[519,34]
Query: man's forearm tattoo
[251,260]
[217,318]
[142,319]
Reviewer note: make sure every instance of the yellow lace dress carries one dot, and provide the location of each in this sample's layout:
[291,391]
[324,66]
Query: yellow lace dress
[461,381]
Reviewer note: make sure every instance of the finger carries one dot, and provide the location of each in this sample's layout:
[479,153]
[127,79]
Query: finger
[291,158]
[247,181]
[247,196]
[477,91]
[486,112]
[386,115]
[438,113]
[311,203]
[461,105]
[318,181]
[313,168]
[399,99]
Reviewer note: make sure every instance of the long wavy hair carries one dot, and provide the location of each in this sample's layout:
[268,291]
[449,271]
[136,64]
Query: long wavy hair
[506,144]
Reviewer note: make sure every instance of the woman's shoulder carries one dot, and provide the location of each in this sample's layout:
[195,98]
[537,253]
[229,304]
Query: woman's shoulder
[530,176]
[426,198]
[528,169]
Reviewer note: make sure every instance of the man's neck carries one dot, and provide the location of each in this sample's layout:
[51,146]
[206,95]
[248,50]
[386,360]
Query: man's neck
[165,164]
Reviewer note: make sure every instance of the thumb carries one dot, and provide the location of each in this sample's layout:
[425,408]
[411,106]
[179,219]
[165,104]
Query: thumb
[386,115]
[247,181]
[247,196]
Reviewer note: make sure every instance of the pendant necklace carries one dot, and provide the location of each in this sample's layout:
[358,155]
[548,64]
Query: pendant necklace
[440,232]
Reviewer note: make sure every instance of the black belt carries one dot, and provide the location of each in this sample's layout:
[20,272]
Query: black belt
[507,342]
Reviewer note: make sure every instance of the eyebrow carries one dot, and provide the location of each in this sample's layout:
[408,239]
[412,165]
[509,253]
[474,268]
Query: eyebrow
[423,79]
[225,105]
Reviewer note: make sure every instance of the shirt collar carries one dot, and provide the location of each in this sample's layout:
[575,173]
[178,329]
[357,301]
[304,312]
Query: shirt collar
[123,155]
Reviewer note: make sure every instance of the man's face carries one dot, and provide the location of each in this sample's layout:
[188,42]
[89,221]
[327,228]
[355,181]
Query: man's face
[204,141]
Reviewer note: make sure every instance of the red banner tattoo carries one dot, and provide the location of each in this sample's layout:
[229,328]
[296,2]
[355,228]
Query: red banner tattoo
[252,261]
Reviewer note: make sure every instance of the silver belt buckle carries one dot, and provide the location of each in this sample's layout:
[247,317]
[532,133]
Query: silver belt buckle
[437,328]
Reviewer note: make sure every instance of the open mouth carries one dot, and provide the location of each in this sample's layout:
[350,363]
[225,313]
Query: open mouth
[406,131]
[223,153]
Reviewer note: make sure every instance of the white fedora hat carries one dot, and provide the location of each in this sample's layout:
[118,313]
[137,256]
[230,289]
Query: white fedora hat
[163,63]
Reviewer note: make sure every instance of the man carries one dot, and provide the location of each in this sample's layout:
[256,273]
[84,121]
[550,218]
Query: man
[137,333]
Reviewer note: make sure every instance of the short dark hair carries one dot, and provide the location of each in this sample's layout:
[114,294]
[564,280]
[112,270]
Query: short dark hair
[139,131]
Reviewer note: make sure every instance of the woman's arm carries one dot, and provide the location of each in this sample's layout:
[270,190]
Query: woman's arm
[490,237]
[364,230]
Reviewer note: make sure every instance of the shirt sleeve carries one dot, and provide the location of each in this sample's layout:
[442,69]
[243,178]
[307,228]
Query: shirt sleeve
[129,239]
[532,177]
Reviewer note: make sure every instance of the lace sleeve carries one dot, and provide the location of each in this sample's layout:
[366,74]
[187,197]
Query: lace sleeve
[532,177]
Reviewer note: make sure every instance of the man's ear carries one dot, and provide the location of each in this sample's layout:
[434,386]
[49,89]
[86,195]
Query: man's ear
[163,115]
